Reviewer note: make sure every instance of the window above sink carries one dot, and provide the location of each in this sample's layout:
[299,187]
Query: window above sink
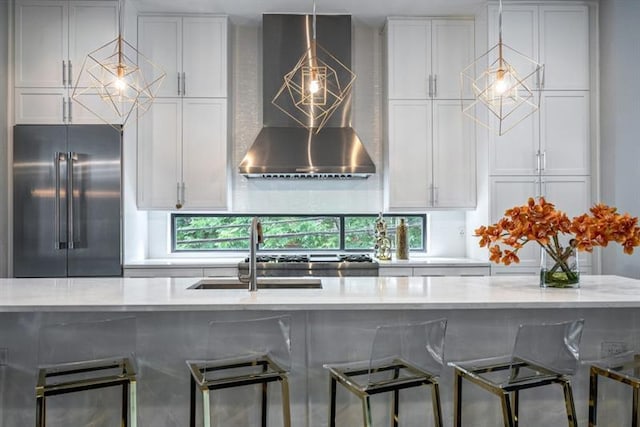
[296,233]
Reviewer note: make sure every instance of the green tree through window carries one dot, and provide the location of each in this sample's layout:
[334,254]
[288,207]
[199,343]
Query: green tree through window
[329,233]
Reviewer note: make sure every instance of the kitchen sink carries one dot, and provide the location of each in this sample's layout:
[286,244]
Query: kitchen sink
[263,283]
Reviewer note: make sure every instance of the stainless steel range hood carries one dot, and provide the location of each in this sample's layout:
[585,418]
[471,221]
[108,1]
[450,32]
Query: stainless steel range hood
[284,149]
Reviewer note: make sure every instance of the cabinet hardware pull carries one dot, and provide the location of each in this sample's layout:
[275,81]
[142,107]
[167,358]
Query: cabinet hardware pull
[184,84]
[544,160]
[435,86]
[70,74]
[430,86]
[183,195]
[64,73]
[69,106]
[64,110]
[178,204]
[542,82]
[538,161]
[179,84]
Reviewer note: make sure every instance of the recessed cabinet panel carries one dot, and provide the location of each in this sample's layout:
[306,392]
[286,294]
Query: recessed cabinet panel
[564,131]
[40,106]
[409,44]
[160,40]
[564,47]
[204,153]
[516,152]
[41,43]
[204,61]
[159,154]
[452,51]
[454,172]
[409,153]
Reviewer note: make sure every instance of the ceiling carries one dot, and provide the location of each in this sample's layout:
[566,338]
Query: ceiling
[365,11]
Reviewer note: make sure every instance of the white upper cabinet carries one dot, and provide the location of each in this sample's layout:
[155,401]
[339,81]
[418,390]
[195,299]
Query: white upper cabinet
[52,39]
[191,50]
[431,156]
[425,57]
[182,154]
[553,141]
[557,36]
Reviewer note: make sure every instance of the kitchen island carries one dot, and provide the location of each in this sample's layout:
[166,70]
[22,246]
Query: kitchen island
[331,324]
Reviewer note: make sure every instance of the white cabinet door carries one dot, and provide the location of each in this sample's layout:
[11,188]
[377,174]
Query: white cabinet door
[572,196]
[519,32]
[453,49]
[92,24]
[160,40]
[204,153]
[41,44]
[159,155]
[204,56]
[409,58]
[564,47]
[564,129]
[516,152]
[454,171]
[507,192]
[41,106]
[409,155]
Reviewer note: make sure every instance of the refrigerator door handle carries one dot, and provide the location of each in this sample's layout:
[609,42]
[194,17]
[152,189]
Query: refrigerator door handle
[58,244]
[70,212]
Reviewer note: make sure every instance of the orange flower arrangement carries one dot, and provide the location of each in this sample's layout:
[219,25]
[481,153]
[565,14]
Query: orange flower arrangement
[541,222]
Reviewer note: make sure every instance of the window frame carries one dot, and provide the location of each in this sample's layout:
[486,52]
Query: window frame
[341,239]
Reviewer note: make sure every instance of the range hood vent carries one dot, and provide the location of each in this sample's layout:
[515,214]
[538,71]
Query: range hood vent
[283,149]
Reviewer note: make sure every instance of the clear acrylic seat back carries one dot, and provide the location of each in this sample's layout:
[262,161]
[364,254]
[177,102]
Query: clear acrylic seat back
[420,345]
[554,346]
[64,343]
[247,340]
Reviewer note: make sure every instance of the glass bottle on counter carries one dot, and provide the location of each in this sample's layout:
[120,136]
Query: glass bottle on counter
[402,244]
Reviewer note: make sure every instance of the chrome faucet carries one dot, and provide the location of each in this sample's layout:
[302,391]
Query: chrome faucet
[255,239]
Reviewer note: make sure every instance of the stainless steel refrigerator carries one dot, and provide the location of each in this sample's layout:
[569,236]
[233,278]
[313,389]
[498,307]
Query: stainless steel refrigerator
[67,205]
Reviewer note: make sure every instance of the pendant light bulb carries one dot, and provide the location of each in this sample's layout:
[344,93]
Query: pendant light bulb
[314,86]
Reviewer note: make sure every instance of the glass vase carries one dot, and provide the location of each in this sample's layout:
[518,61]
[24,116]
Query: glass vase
[559,270]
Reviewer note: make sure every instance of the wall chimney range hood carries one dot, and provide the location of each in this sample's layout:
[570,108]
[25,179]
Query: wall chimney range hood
[284,149]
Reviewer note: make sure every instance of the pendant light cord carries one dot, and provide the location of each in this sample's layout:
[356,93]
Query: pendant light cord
[500,21]
[314,20]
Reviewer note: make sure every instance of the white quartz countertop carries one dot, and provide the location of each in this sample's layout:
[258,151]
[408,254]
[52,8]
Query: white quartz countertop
[219,262]
[360,293]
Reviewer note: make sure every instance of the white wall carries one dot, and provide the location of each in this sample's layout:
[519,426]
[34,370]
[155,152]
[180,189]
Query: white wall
[620,120]
[5,168]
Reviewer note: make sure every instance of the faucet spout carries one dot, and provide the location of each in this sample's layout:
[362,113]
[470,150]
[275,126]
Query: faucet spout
[255,239]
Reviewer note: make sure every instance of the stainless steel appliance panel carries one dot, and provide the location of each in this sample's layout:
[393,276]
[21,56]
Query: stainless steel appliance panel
[67,204]
[36,231]
[94,216]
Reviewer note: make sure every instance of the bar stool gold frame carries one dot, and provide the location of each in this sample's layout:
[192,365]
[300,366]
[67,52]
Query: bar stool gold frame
[270,372]
[610,372]
[124,377]
[365,391]
[509,395]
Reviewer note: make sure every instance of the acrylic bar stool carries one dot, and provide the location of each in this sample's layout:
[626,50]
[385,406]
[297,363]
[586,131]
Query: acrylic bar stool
[242,353]
[402,356]
[624,368]
[76,357]
[543,354]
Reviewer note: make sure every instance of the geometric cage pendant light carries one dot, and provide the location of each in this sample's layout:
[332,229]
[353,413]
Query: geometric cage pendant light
[502,96]
[316,86]
[116,79]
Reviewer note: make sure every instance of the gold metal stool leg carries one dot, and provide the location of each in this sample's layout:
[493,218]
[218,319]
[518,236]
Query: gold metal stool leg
[593,397]
[507,412]
[366,411]
[435,400]
[571,407]
[457,396]
[515,397]
[332,404]
[286,409]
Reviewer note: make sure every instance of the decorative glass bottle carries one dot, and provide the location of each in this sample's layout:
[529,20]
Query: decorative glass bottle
[402,245]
